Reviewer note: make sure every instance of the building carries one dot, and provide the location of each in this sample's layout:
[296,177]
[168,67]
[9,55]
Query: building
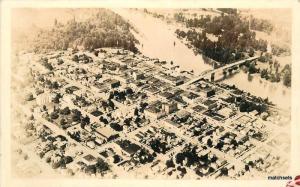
[183,115]
[89,160]
[172,123]
[130,149]
[154,112]
[113,83]
[44,99]
[166,95]
[226,112]
[175,81]
[107,133]
[209,104]
[91,144]
[189,97]
[169,107]
[158,109]
[207,92]
[152,90]
[137,75]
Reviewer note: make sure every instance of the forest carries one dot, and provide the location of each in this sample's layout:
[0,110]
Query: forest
[234,39]
[102,29]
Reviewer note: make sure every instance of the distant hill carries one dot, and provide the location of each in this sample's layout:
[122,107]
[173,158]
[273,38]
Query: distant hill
[101,28]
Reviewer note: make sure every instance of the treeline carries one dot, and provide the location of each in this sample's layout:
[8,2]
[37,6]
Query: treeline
[261,25]
[154,14]
[228,10]
[102,29]
[235,40]
[277,50]
[274,75]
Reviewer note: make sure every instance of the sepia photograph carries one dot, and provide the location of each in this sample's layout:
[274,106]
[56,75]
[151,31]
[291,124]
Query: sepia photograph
[151,93]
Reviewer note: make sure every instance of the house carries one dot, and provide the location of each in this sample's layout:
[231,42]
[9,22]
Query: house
[43,99]
[99,141]
[91,144]
[89,160]
[88,128]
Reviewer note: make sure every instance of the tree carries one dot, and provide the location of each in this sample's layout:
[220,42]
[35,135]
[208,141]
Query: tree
[84,121]
[116,126]
[104,120]
[54,115]
[111,104]
[170,163]
[224,171]
[116,158]
[209,143]
[96,53]
[75,58]
[136,112]
[252,69]
[247,168]
[76,116]
[60,61]
[65,111]
[264,74]
[63,122]
[251,52]
[55,22]
[179,158]
[67,159]
[91,169]
[287,75]
[101,166]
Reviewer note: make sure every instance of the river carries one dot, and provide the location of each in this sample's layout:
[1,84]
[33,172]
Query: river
[277,93]
[157,39]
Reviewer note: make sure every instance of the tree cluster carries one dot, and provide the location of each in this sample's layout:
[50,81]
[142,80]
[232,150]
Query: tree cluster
[104,29]
[235,40]
[261,25]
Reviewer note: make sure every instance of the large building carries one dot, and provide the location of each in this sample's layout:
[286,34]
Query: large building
[107,133]
[160,109]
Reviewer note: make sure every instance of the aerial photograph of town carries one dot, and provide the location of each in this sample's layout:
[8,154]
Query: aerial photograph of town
[150,93]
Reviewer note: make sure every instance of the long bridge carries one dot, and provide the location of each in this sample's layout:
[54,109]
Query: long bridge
[223,68]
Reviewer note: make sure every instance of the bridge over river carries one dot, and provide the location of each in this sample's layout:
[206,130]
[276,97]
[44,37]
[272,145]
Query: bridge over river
[220,69]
